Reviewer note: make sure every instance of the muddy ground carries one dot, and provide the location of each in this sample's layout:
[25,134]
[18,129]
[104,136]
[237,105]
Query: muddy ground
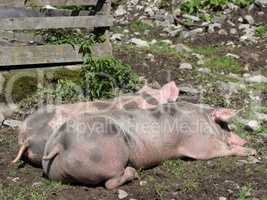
[223,178]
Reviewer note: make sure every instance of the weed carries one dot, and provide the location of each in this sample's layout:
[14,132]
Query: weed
[195,6]
[140,26]
[261,31]
[245,193]
[223,64]
[207,51]
[102,78]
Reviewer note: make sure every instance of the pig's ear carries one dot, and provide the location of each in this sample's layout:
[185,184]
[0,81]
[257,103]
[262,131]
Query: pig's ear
[22,150]
[53,153]
[170,91]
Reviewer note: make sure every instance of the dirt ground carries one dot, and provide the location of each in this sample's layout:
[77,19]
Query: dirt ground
[223,178]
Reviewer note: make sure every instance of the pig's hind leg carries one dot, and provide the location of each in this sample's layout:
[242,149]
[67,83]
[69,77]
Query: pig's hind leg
[204,148]
[128,175]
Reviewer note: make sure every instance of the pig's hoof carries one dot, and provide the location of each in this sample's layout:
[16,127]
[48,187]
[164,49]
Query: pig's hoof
[128,175]
[242,151]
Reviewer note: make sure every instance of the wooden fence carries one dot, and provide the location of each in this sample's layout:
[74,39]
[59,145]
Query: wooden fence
[19,29]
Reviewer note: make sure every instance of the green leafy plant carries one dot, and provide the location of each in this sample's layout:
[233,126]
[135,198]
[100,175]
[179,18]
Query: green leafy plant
[191,6]
[261,31]
[102,78]
[194,6]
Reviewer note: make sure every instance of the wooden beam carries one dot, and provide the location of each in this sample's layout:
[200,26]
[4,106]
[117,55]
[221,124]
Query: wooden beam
[35,23]
[48,54]
[28,55]
[21,3]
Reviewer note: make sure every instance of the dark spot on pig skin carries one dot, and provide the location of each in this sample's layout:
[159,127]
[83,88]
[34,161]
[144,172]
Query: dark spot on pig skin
[65,140]
[149,99]
[116,130]
[131,105]
[102,105]
[113,129]
[170,110]
[95,155]
[157,114]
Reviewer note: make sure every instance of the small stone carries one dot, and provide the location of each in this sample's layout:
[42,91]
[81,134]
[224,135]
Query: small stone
[143,183]
[15,180]
[37,184]
[180,48]
[262,3]
[149,12]
[261,116]
[116,37]
[233,55]
[169,42]
[231,23]
[232,6]
[249,19]
[120,11]
[154,41]
[257,79]
[222,32]
[122,194]
[222,198]
[233,31]
[188,34]
[150,57]
[213,27]
[252,125]
[188,90]
[185,66]
[240,19]
[191,17]
[204,70]
[139,43]
[12,123]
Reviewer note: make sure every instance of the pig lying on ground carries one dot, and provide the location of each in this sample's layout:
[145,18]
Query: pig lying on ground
[109,147]
[36,129]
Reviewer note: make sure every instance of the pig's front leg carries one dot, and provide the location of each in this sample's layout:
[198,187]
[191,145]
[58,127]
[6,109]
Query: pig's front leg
[207,147]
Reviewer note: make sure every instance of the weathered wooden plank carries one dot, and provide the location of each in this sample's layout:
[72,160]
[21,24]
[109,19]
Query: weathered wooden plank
[48,54]
[34,23]
[21,3]
[28,55]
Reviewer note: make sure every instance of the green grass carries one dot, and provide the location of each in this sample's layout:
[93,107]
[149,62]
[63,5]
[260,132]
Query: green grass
[223,64]
[42,192]
[194,6]
[261,31]
[246,194]
[264,71]
[163,48]
[140,26]
[207,51]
